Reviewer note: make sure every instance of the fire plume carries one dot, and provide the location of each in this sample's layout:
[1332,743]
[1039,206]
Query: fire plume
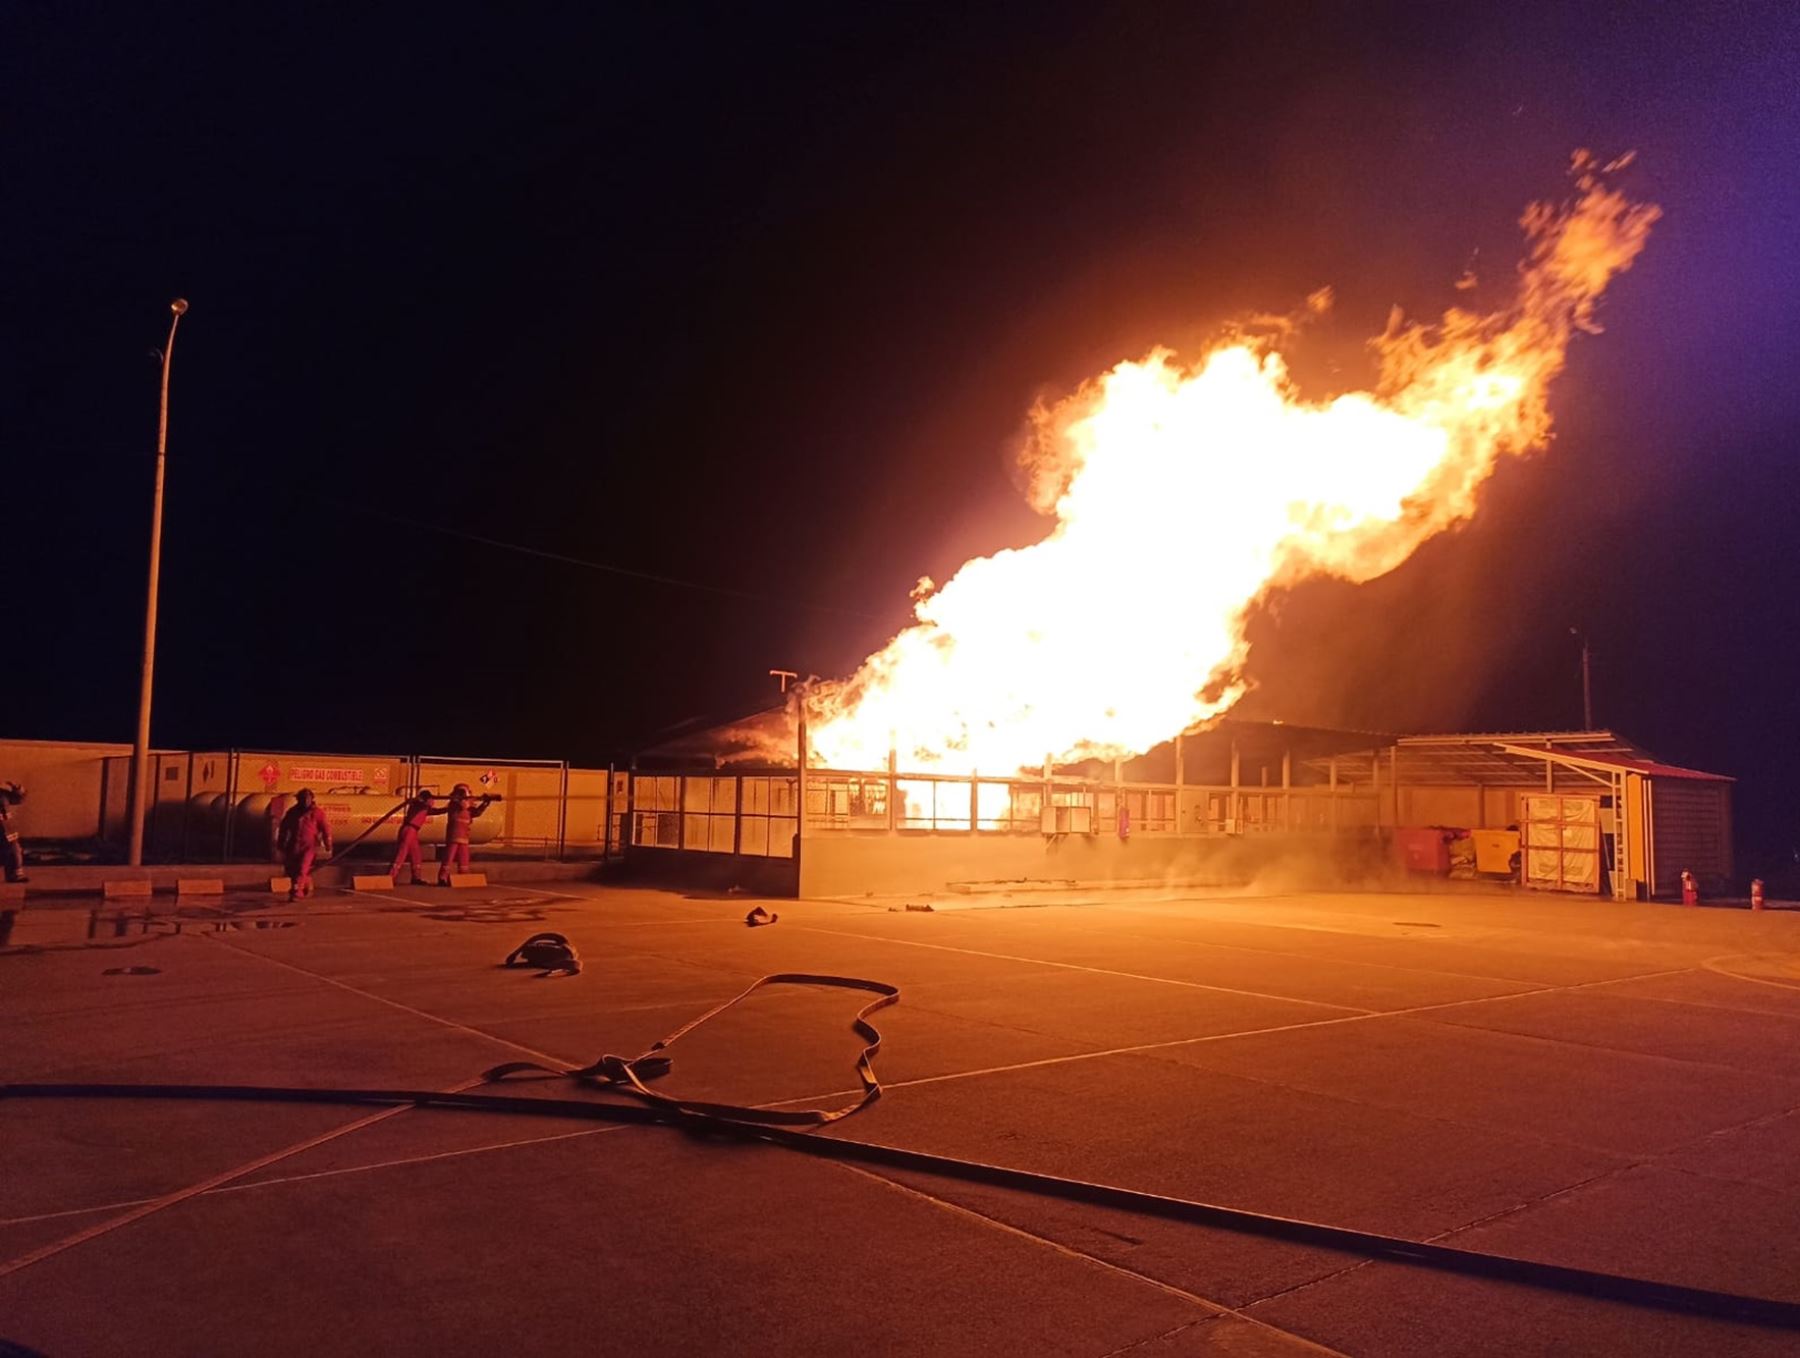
[1184,491]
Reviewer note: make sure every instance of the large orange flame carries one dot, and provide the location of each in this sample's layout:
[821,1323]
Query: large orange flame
[1183,492]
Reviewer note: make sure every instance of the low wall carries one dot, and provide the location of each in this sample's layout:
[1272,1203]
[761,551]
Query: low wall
[66,793]
[76,796]
[858,865]
[87,880]
[713,871]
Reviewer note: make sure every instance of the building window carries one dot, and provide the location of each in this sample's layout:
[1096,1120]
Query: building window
[1017,808]
[709,814]
[656,816]
[931,804]
[837,802]
[1071,812]
[1009,808]
[769,819]
[1147,812]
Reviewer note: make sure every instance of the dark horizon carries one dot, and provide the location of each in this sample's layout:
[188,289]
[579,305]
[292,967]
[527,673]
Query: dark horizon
[758,305]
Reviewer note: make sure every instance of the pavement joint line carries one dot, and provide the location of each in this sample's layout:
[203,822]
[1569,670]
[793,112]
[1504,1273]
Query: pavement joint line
[1308,957]
[1214,1310]
[1712,964]
[1137,1048]
[1007,1228]
[1639,1162]
[218,1182]
[181,1195]
[1077,966]
[330,1173]
[1552,1195]
[1500,1128]
[396,1004]
[1619,1051]
[1486,937]
[1708,1004]
[1125,908]
[1136,1344]
[524,887]
[595,900]
[1133,1050]
[1307,1284]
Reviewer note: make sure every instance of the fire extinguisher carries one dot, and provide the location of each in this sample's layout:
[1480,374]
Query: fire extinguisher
[1756,893]
[1690,891]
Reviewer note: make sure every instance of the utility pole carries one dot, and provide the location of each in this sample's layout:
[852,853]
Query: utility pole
[1587,681]
[140,751]
[785,676]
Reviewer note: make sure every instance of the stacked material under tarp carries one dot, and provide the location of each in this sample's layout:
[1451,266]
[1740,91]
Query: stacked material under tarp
[1562,842]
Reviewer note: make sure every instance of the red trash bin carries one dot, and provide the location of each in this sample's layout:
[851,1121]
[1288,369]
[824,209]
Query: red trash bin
[1423,849]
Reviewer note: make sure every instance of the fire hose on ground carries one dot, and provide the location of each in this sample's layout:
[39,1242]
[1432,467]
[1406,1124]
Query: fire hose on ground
[784,1128]
[373,826]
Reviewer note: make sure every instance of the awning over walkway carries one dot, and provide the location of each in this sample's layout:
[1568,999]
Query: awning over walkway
[1508,759]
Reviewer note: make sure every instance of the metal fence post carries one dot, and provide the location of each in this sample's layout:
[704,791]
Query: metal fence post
[231,777]
[606,826]
[187,808]
[562,817]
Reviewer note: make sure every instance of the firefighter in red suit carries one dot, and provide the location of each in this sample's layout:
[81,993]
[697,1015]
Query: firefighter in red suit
[12,858]
[420,808]
[304,831]
[463,809]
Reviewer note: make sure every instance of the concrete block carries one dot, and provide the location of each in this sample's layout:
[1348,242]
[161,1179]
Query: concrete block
[200,886]
[468,879]
[135,887]
[280,886]
[372,881]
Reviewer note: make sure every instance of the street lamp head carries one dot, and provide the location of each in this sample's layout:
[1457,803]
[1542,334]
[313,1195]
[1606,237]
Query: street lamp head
[178,306]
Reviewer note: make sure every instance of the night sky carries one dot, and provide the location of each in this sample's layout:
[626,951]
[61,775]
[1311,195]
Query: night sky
[756,300]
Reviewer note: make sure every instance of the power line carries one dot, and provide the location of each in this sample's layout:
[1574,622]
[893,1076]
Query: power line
[603,567]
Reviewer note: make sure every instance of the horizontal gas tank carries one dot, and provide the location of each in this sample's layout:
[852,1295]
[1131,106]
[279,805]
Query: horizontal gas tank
[350,813]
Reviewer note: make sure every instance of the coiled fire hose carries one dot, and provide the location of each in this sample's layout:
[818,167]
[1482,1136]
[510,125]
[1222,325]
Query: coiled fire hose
[780,1127]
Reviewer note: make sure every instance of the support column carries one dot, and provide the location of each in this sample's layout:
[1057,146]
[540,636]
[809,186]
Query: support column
[1287,795]
[893,787]
[1375,783]
[1394,777]
[606,833]
[1621,867]
[1180,778]
[1236,819]
[1331,774]
[800,789]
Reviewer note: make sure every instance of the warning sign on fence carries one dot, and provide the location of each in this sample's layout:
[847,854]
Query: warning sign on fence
[339,777]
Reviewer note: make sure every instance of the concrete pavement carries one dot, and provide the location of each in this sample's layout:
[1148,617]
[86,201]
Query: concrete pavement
[1611,1086]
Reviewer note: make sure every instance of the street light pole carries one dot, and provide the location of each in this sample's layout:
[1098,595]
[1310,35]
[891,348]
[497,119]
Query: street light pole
[140,751]
[1587,682]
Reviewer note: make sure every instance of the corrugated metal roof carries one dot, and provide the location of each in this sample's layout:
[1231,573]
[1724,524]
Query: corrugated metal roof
[1516,759]
[1649,767]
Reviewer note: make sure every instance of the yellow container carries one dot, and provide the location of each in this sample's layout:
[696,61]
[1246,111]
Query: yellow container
[1494,849]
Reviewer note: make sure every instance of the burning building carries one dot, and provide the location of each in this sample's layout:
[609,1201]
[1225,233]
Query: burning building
[1047,715]
[1230,804]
